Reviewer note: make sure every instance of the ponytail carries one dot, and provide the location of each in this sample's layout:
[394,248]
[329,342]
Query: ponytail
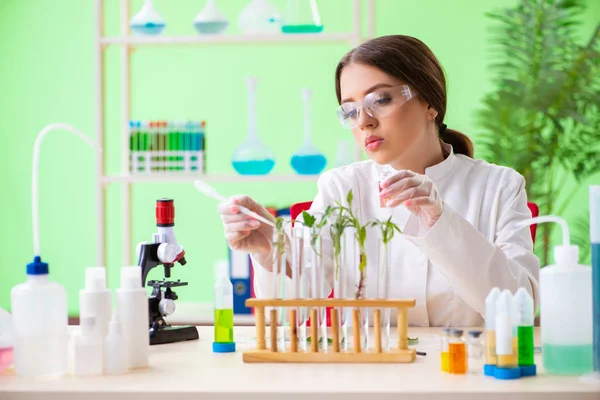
[461,144]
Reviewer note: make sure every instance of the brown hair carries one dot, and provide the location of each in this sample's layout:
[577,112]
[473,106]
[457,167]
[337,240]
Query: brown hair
[411,61]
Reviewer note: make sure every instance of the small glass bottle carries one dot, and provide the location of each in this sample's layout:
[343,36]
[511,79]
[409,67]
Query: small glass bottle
[457,352]
[445,356]
[475,352]
[385,173]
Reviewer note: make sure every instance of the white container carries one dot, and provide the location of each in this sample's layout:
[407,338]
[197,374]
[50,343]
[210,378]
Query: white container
[87,348]
[566,309]
[115,361]
[132,311]
[95,300]
[40,318]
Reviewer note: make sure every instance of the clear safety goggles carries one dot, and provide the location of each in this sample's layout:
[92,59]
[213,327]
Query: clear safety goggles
[378,104]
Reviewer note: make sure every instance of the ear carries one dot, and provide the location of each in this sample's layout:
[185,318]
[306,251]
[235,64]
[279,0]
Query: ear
[431,113]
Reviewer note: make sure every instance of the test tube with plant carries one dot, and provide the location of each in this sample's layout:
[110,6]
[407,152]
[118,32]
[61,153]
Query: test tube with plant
[386,232]
[299,281]
[279,270]
[317,270]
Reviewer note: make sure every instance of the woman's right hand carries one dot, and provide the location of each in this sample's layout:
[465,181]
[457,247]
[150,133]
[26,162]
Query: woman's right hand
[243,232]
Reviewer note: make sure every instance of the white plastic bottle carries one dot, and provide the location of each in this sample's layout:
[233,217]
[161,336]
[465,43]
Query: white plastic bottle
[132,311]
[115,361]
[490,331]
[95,300]
[87,348]
[40,320]
[566,309]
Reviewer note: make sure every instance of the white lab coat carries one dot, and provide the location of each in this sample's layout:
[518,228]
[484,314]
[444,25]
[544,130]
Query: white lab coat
[450,268]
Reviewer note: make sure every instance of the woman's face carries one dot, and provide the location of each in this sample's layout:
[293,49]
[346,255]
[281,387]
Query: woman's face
[400,119]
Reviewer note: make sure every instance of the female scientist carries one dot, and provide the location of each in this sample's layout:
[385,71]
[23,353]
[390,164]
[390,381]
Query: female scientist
[459,216]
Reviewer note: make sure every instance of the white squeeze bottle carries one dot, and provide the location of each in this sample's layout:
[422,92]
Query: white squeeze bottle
[565,309]
[95,300]
[132,313]
[40,320]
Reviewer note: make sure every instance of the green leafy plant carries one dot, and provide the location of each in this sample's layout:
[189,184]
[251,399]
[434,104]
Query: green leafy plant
[388,228]
[279,227]
[316,226]
[543,118]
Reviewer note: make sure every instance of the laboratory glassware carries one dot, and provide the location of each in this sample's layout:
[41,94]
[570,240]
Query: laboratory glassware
[302,16]
[259,17]
[210,20]
[252,157]
[475,352]
[308,160]
[223,309]
[457,352]
[147,21]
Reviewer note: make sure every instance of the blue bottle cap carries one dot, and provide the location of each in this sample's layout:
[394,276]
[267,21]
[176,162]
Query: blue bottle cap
[528,370]
[507,373]
[488,369]
[228,347]
[37,267]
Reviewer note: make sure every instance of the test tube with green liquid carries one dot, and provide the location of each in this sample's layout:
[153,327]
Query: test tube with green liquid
[223,309]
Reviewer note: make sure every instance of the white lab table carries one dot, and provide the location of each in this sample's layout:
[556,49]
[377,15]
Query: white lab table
[190,370]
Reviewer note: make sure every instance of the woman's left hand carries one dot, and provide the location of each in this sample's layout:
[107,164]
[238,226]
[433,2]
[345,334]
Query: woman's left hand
[417,192]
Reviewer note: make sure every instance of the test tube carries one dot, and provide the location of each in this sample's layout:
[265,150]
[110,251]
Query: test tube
[315,264]
[298,280]
[506,337]
[383,286]
[340,283]
[278,286]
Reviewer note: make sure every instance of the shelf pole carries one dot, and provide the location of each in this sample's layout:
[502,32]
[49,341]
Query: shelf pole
[99,132]
[125,118]
[356,41]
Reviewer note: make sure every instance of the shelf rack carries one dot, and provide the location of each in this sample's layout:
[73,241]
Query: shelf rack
[127,43]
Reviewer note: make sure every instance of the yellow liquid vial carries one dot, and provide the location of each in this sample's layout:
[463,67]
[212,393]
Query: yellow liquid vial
[445,361]
[224,326]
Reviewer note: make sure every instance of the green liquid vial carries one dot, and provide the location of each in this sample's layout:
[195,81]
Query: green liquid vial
[568,360]
[525,335]
[224,326]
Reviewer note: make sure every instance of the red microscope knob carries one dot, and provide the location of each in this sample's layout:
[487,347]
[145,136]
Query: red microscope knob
[165,212]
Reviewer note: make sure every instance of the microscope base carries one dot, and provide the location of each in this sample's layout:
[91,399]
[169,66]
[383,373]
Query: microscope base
[172,334]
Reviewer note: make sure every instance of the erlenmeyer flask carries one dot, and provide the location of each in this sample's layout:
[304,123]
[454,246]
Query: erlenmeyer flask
[302,16]
[259,17]
[252,157]
[147,21]
[308,160]
[210,20]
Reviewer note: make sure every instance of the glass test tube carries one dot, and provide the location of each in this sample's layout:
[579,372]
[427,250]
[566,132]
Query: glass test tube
[383,286]
[340,284]
[279,264]
[298,281]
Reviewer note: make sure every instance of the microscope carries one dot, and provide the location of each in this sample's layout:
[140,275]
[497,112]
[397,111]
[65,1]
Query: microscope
[163,250]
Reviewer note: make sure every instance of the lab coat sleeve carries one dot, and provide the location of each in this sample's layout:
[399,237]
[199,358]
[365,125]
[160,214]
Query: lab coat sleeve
[475,264]
[327,194]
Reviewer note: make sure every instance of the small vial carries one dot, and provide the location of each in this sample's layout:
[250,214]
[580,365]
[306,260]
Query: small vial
[457,352]
[507,352]
[475,352]
[223,308]
[385,173]
[445,355]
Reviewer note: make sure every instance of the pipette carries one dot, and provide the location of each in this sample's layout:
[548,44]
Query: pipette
[209,191]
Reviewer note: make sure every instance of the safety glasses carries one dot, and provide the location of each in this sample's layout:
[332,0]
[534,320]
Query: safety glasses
[378,104]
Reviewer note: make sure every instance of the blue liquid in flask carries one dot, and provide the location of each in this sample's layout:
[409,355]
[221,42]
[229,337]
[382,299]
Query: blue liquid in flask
[253,167]
[149,28]
[309,164]
[212,27]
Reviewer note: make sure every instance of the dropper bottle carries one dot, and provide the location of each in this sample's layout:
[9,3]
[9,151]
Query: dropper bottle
[223,308]
[565,308]
[490,332]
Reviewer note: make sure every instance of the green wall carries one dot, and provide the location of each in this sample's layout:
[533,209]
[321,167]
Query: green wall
[47,75]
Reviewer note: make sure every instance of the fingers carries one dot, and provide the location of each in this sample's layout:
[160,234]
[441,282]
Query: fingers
[401,185]
[229,218]
[396,177]
[227,208]
[234,237]
[424,201]
[241,226]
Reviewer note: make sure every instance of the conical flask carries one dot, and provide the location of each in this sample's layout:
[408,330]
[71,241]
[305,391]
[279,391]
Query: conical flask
[308,160]
[210,20]
[259,17]
[302,16]
[147,21]
[252,157]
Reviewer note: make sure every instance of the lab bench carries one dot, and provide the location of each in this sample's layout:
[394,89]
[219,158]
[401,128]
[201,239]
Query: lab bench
[190,370]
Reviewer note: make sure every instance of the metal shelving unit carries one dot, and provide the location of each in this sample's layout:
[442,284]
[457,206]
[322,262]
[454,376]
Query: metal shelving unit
[127,44]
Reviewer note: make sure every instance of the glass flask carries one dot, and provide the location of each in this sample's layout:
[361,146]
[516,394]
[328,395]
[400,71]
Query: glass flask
[147,21]
[210,20]
[259,17]
[308,160]
[302,16]
[252,157]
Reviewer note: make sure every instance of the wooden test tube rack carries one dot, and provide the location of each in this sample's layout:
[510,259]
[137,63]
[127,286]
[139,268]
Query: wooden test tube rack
[273,354]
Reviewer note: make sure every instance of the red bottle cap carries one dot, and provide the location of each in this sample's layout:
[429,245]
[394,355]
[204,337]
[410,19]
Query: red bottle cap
[165,212]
